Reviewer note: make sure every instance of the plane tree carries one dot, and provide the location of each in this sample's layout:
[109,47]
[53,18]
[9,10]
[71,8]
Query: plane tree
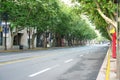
[43,16]
[102,13]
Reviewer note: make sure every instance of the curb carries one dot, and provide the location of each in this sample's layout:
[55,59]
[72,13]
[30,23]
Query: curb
[107,72]
[102,71]
[17,50]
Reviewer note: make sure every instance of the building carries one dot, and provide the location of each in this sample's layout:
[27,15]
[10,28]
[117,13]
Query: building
[16,38]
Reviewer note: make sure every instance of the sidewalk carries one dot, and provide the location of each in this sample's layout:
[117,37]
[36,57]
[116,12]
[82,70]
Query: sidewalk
[102,73]
[20,50]
[38,48]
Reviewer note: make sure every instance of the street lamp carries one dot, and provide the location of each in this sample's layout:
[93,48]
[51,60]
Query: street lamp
[5,18]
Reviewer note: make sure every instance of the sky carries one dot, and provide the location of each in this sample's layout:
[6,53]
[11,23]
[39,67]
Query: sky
[68,2]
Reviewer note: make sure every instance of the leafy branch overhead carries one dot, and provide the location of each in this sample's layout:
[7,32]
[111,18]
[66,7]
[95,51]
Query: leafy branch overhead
[101,12]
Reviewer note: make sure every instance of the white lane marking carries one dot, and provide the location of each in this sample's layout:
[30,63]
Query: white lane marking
[35,74]
[40,72]
[67,61]
[81,55]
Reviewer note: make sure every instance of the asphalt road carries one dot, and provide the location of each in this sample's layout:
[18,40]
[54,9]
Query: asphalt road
[75,63]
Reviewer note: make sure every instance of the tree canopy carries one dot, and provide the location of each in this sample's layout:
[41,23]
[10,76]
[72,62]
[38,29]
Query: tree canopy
[47,14]
[101,12]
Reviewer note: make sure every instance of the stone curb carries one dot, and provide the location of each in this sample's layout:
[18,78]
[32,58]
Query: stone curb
[102,71]
[17,50]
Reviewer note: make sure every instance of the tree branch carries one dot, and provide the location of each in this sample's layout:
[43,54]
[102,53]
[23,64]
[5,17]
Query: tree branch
[108,33]
[108,20]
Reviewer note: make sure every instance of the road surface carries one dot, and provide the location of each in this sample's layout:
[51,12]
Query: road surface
[75,63]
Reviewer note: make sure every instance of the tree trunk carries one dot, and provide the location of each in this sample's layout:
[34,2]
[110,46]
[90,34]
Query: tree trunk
[54,40]
[45,40]
[109,33]
[73,41]
[59,40]
[12,38]
[33,39]
[13,35]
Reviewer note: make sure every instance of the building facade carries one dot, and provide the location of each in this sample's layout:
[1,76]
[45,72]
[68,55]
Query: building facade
[22,38]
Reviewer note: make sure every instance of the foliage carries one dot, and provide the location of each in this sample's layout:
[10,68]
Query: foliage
[47,15]
[107,7]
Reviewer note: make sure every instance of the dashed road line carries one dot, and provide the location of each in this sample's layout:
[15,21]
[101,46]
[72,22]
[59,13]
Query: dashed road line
[81,55]
[35,74]
[42,71]
[67,61]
